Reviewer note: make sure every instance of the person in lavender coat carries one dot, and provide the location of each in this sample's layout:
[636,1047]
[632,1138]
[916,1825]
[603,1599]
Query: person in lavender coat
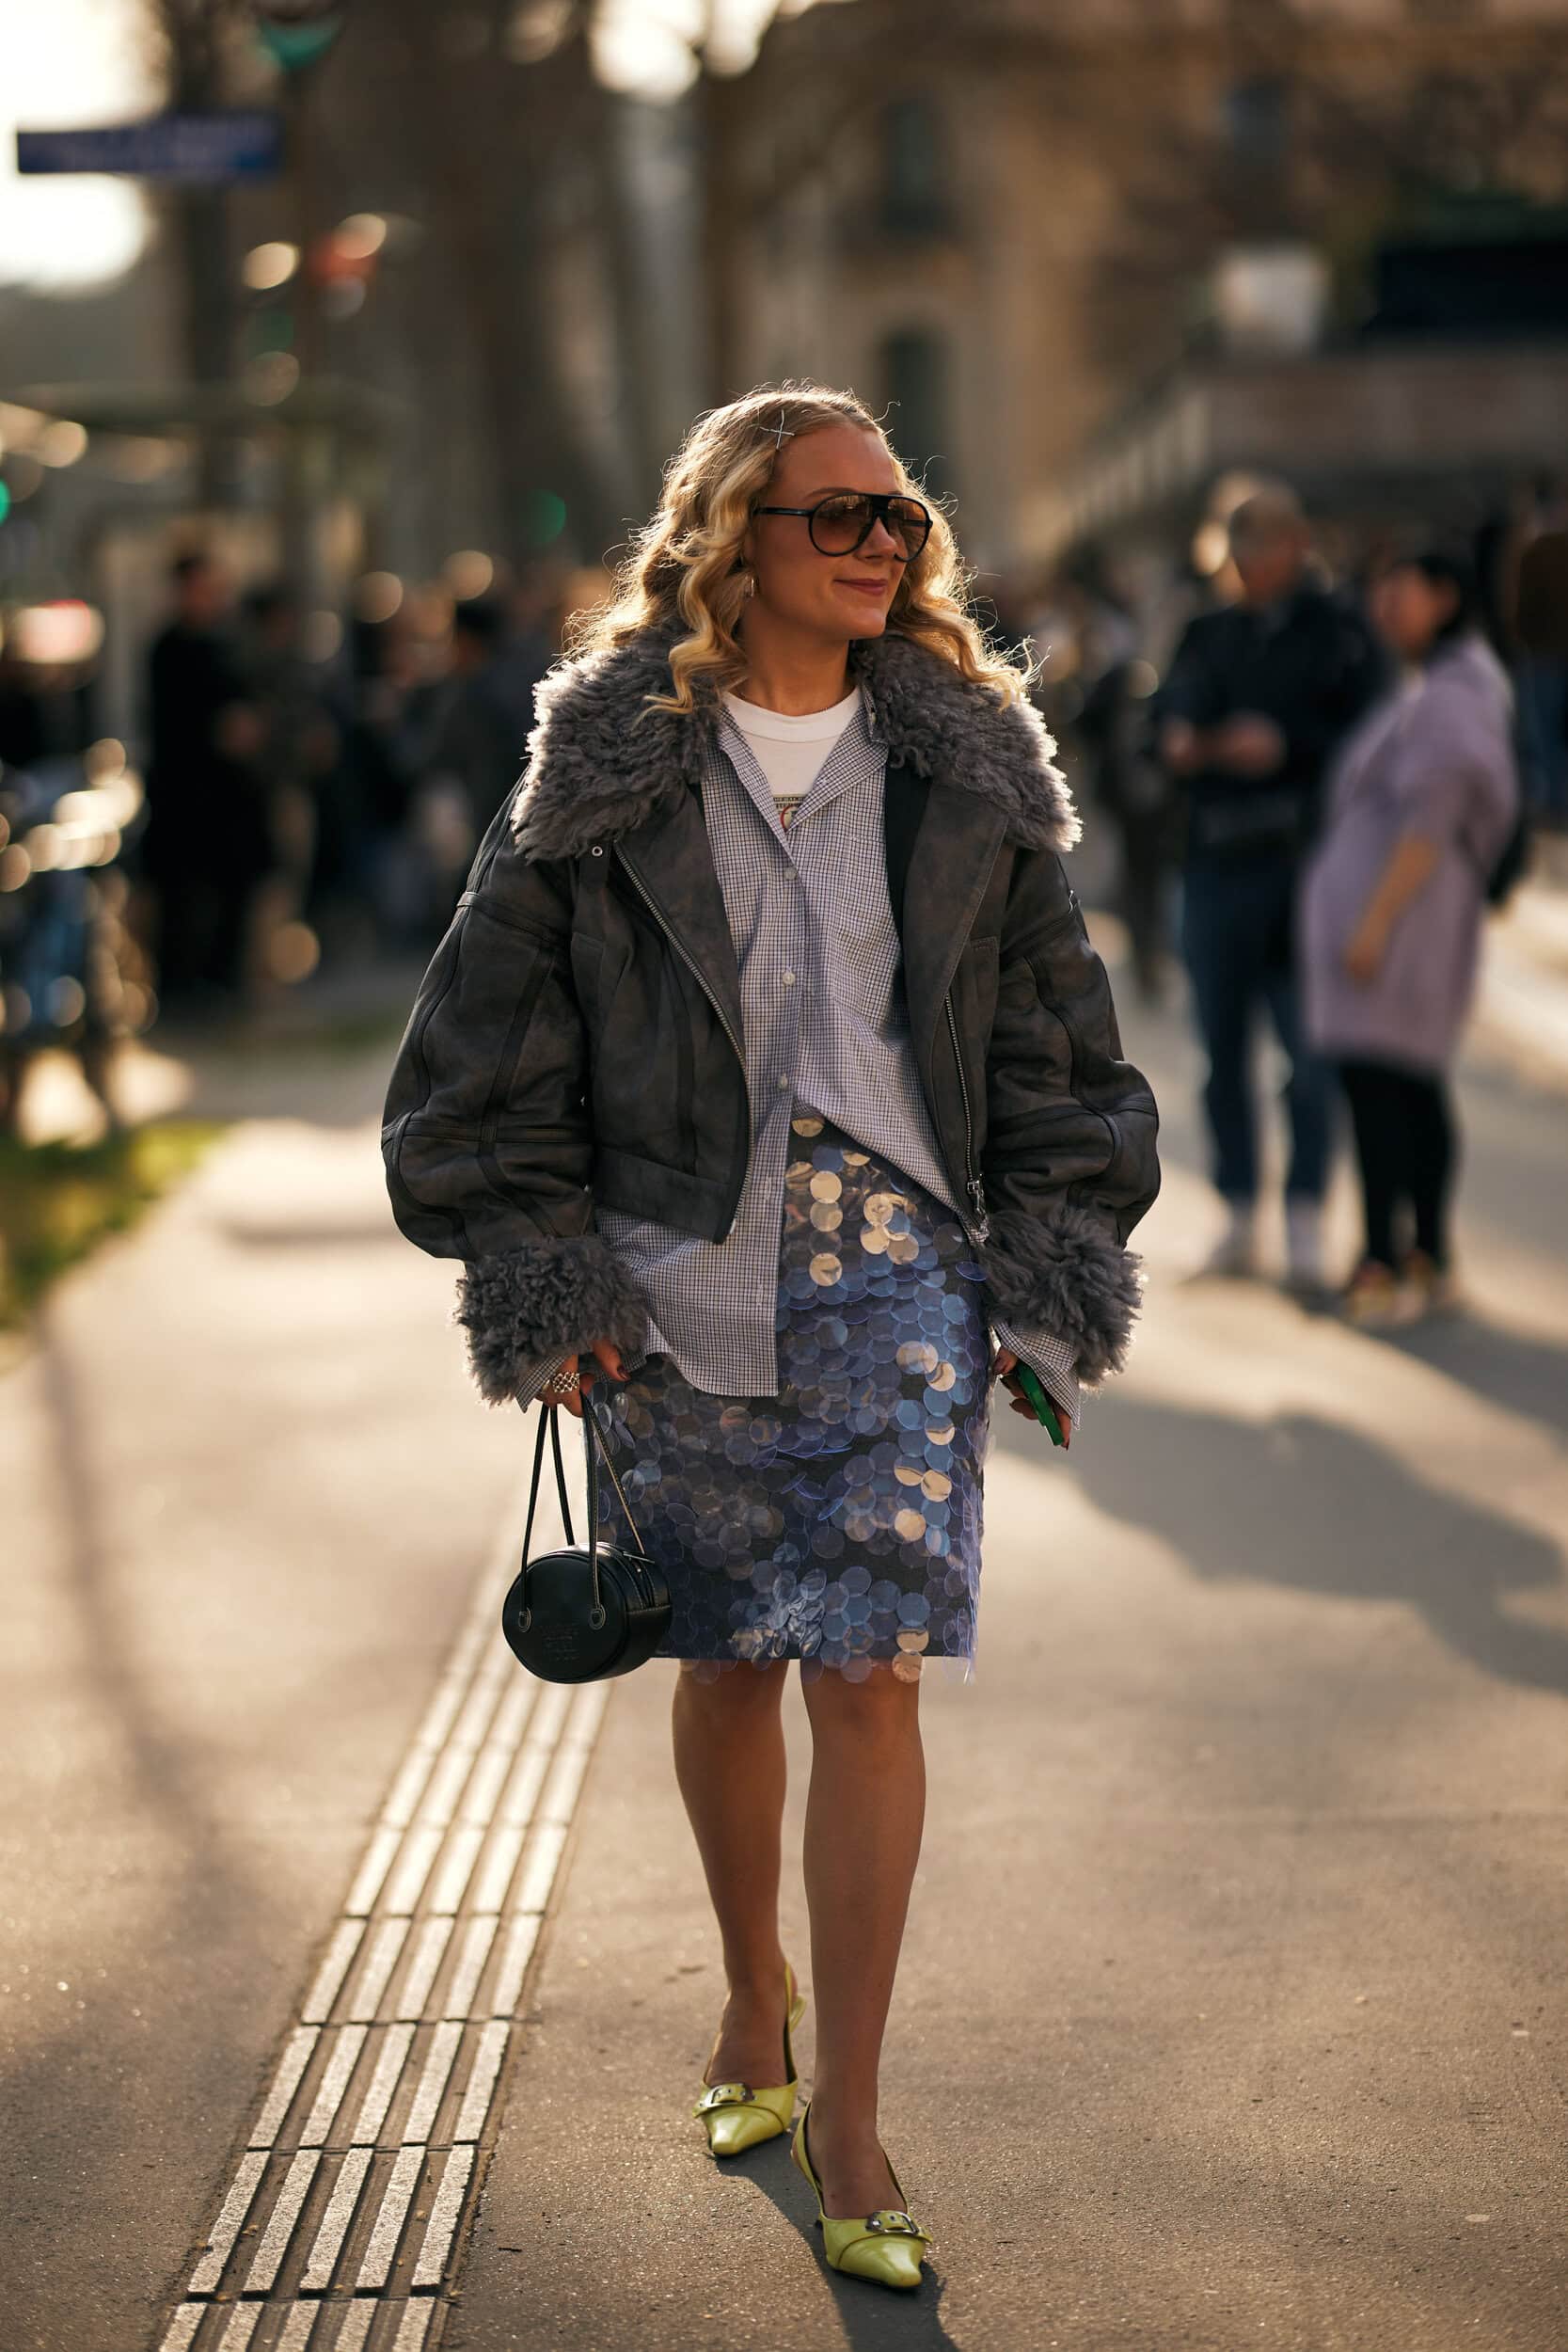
[1423,801]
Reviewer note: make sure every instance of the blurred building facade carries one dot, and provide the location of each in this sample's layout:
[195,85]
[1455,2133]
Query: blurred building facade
[1087,261]
[1094,260]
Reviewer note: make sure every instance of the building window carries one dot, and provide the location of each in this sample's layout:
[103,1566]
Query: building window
[915,173]
[914,386]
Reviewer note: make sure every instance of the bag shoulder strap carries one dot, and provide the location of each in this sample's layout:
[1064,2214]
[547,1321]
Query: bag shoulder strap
[549,1418]
[594,1452]
[904,796]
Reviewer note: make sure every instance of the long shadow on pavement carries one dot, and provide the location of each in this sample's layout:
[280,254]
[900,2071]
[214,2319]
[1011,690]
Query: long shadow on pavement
[83,2088]
[873,2318]
[1526,1377]
[1308,1504]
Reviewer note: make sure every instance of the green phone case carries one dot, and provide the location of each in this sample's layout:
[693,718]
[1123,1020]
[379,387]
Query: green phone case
[1045,1412]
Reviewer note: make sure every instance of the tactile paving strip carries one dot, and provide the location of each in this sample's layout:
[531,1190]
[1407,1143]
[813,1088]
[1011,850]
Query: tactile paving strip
[337,2229]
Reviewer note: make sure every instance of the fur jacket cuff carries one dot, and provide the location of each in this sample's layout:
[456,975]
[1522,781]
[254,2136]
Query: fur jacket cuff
[1067,1272]
[545,1298]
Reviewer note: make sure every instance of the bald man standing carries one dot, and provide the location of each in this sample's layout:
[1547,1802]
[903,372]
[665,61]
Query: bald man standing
[1256,701]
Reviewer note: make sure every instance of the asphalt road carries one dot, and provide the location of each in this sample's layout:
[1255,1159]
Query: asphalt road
[1232,2005]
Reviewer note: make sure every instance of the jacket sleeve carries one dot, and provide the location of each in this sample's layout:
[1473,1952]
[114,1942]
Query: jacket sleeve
[1071,1162]
[1189,688]
[1453,778]
[1351,672]
[486,1133]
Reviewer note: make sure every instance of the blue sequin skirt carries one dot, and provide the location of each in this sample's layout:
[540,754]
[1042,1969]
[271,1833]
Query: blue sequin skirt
[838,1522]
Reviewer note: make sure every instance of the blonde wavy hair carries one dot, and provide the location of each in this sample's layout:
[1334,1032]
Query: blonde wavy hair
[684,563]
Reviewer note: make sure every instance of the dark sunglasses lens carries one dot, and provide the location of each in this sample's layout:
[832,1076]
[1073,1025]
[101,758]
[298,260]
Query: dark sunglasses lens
[908,523]
[841,523]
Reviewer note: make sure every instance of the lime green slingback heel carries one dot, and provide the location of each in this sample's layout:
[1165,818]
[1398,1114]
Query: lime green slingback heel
[885,2245]
[736,2116]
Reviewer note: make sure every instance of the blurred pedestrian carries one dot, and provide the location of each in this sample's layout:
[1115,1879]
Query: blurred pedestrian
[299,747]
[1114,729]
[1423,801]
[207,843]
[482,741]
[1541,630]
[766,983]
[1258,697]
[370,884]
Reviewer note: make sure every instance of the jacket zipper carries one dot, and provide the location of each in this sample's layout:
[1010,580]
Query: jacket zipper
[695,968]
[973,1184]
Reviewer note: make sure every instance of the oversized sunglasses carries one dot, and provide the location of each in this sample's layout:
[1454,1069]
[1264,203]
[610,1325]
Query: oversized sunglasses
[843,520]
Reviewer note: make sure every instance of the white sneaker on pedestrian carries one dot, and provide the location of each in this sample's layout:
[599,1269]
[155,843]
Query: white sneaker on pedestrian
[1234,1256]
[1303,1249]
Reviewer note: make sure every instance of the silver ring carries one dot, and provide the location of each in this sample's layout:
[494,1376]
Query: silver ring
[564,1383]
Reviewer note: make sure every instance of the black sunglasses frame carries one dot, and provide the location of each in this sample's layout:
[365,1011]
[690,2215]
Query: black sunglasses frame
[879,501]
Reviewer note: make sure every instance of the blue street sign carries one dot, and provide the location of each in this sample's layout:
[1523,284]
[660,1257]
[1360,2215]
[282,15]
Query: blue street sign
[234,145]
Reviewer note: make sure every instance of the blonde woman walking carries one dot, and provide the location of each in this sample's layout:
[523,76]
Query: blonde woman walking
[771,1093]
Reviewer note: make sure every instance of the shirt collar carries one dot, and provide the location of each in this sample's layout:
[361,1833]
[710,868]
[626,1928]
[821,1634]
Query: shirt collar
[859,752]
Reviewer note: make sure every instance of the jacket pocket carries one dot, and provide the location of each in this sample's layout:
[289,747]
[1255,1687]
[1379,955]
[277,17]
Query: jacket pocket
[977,981]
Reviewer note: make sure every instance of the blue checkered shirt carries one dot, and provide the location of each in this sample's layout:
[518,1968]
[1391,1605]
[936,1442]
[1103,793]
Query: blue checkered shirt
[827,1030]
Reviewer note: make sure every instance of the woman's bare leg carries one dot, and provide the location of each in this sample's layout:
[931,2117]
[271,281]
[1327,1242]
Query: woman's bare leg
[864,1813]
[730,1766]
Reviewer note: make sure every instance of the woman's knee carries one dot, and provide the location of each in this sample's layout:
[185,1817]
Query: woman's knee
[878,1705]
[729,1690]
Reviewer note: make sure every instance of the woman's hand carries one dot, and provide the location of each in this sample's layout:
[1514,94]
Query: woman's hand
[1248,745]
[1412,862]
[1369,945]
[606,1355]
[1005,1365]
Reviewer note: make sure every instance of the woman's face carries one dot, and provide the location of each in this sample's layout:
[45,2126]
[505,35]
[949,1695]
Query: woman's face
[1408,610]
[838,597]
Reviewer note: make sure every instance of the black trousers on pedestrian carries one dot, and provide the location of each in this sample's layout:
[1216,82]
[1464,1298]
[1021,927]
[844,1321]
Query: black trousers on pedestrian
[1406,1144]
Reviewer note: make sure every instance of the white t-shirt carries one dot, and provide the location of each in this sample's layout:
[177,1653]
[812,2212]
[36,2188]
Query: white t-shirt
[791,750]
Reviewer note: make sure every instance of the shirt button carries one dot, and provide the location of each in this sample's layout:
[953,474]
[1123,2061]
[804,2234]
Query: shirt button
[784,1084]
[789,979]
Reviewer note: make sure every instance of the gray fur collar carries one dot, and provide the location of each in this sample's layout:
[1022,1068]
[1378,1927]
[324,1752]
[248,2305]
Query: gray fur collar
[597,768]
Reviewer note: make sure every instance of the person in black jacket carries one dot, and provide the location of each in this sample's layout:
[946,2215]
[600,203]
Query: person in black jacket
[769,1090]
[207,844]
[1256,699]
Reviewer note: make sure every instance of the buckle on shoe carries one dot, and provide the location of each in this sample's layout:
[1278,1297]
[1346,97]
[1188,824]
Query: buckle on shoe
[725,2095]
[887,2222]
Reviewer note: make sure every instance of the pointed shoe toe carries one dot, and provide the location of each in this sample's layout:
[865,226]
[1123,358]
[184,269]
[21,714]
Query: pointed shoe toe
[737,2117]
[889,2262]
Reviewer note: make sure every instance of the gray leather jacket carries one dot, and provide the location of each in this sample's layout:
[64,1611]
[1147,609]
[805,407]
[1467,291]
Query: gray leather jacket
[576,1039]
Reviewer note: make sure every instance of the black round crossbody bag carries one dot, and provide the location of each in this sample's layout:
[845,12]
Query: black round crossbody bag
[576,1615]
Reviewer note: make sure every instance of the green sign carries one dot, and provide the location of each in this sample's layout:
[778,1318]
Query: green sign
[296,32]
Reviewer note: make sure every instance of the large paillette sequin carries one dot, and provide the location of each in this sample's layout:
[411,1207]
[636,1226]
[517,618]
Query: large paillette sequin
[839,1521]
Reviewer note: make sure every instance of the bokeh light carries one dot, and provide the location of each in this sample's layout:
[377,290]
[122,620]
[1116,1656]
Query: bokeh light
[322,636]
[377,596]
[293,952]
[62,444]
[271,377]
[268,265]
[546,517]
[470,573]
[361,236]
